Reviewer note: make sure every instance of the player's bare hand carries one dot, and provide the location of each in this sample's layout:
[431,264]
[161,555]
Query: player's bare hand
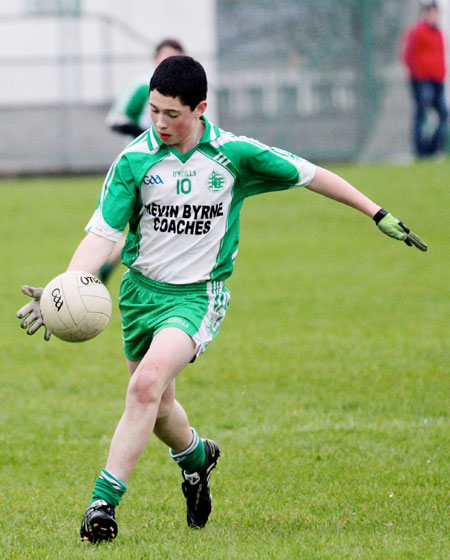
[31,312]
[398,230]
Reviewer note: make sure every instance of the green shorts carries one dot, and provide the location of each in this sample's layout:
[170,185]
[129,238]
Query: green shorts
[148,306]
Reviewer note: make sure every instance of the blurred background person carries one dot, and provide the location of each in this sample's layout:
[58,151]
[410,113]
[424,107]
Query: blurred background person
[130,115]
[423,54]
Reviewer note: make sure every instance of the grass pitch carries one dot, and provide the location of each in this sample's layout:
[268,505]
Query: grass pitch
[327,388]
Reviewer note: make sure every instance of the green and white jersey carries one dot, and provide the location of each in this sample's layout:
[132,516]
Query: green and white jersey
[132,107]
[183,209]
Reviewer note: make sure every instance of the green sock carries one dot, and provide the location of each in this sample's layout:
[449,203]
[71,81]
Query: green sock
[109,488]
[193,458]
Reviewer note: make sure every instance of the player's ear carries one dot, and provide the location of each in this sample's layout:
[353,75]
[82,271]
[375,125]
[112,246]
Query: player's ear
[200,109]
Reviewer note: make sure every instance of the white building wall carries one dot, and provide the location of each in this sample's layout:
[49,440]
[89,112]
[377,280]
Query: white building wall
[92,58]
[59,75]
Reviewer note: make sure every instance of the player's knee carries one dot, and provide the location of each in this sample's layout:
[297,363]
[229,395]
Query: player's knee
[146,385]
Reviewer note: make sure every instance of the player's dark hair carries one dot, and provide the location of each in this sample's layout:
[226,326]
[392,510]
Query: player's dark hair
[183,77]
[172,43]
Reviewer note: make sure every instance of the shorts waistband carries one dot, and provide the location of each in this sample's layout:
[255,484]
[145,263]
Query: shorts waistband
[165,288]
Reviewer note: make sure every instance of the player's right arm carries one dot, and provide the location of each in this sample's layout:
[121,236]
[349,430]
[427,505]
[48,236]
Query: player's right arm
[91,253]
[103,231]
[89,256]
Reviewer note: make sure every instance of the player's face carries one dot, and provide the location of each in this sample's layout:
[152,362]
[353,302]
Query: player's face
[176,124]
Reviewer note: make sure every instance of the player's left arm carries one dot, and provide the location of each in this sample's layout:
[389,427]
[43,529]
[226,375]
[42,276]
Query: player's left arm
[335,187]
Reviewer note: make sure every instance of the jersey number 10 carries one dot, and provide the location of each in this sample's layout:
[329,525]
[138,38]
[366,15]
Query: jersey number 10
[183,186]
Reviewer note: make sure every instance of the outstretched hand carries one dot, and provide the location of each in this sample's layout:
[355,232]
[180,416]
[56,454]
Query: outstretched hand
[398,230]
[31,312]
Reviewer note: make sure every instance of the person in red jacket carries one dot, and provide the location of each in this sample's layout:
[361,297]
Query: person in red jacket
[424,57]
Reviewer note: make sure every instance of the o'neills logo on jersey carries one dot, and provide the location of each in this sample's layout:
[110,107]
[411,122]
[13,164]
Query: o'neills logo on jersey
[185,173]
[187,219]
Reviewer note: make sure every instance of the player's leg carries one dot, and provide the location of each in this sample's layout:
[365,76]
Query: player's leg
[170,351]
[151,404]
[197,460]
[202,317]
[172,422]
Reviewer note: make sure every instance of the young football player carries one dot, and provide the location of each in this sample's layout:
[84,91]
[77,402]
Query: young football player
[180,187]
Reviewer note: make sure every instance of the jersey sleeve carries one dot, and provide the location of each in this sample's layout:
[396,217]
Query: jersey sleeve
[116,202]
[265,169]
[136,103]
[128,108]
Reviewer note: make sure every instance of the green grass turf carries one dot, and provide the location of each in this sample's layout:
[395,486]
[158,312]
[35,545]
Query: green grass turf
[327,388]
